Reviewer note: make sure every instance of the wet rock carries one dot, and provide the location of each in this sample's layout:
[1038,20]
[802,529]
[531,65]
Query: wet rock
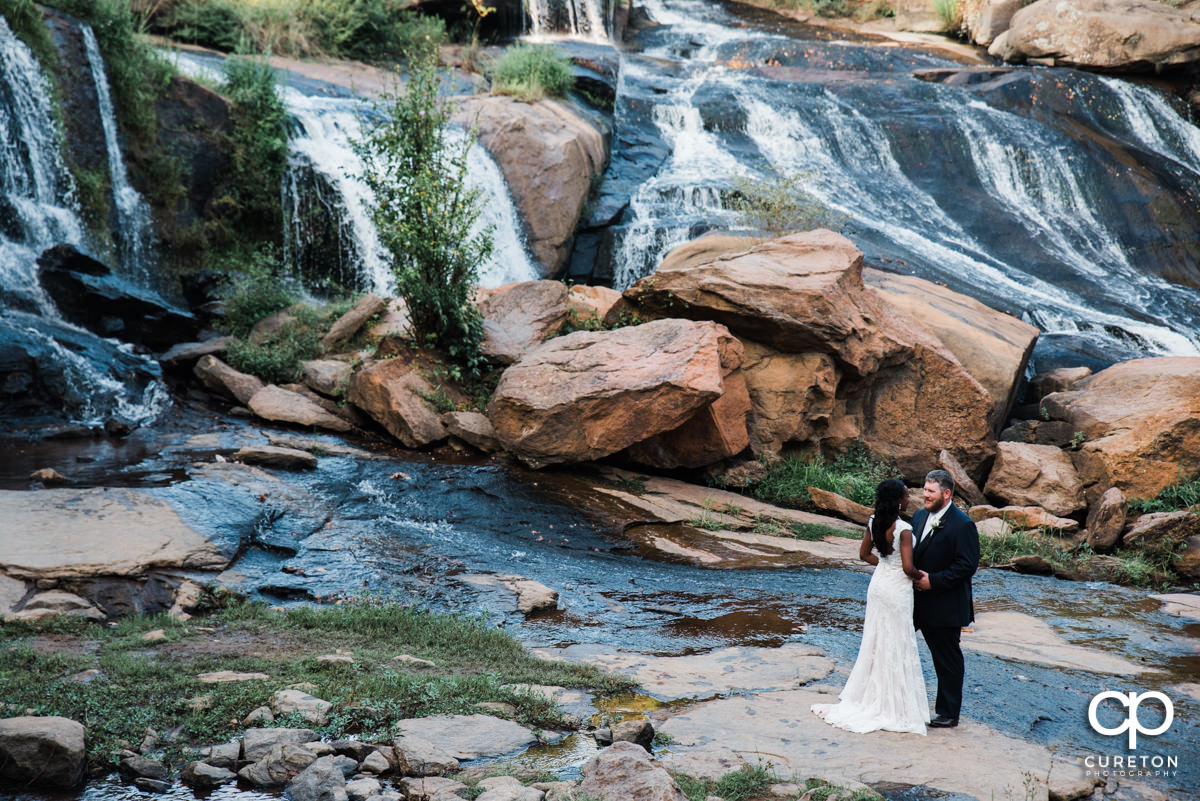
[224,380]
[625,772]
[348,324]
[468,736]
[46,606]
[224,755]
[328,376]
[964,487]
[42,751]
[188,352]
[394,394]
[256,743]
[473,428]
[375,762]
[1102,34]
[278,765]
[416,756]
[1106,521]
[1150,530]
[521,315]
[1024,517]
[1061,379]
[49,476]
[311,710]
[566,401]
[638,732]
[508,788]
[65,533]
[1041,475]
[1032,564]
[272,456]
[141,766]
[323,780]
[203,776]
[151,785]
[362,789]
[1024,638]
[1141,420]
[280,405]
[549,155]
[842,507]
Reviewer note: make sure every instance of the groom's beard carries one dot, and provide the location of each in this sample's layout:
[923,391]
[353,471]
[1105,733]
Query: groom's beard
[935,509]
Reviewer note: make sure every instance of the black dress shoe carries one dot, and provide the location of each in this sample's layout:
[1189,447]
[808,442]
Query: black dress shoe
[943,722]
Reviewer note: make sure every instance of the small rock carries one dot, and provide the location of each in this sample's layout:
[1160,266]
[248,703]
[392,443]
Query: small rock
[200,703]
[362,789]
[223,676]
[993,527]
[274,456]
[322,749]
[256,743]
[1025,517]
[603,736]
[355,749]
[412,661]
[625,770]
[843,507]
[204,777]
[639,732]
[186,352]
[311,709]
[87,676]
[158,635]
[141,766]
[472,428]
[335,660]
[498,708]
[151,785]
[417,757]
[278,765]
[323,780]
[786,790]
[258,717]
[1106,520]
[221,378]
[54,603]
[224,755]
[429,787]
[375,762]
[348,324]
[328,376]
[1033,565]
[48,475]
[507,788]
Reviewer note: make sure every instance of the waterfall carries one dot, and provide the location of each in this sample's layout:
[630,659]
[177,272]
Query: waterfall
[585,19]
[37,202]
[134,233]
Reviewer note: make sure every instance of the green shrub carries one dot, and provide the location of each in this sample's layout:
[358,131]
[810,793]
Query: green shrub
[531,72]
[426,213]
[1180,495]
[853,475]
[745,783]
[950,13]
[254,293]
[277,358]
[780,205]
[258,136]
[26,21]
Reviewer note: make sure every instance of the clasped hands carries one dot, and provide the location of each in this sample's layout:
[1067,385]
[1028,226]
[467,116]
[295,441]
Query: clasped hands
[922,581]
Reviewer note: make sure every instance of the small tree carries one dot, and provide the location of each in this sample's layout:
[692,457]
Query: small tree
[425,212]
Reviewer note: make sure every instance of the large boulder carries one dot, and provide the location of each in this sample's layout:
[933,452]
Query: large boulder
[1035,475]
[625,772]
[395,394]
[590,394]
[1102,34]
[1153,529]
[42,752]
[1106,520]
[257,743]
[549,154]
[348,324]
[1141,424]
[323,780]
[284,406]
[518,316]
[898,388]
[990,19]
[223,379]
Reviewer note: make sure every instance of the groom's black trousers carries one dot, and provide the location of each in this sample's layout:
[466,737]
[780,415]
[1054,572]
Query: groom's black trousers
[948,663]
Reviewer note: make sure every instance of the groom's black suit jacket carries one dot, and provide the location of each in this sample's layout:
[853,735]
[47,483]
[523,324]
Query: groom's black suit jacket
[950,556]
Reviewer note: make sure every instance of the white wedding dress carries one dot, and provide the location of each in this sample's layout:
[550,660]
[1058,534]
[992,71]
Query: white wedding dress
[886,689]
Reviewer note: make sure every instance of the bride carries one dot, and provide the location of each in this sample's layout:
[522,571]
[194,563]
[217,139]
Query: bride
[886,689]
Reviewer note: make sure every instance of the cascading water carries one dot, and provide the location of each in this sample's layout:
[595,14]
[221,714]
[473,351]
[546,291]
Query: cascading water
[329,233]
[986,186]
[50,364]
[134,233]
[585,19]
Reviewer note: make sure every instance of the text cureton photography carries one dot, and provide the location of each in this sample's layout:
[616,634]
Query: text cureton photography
[1124,716]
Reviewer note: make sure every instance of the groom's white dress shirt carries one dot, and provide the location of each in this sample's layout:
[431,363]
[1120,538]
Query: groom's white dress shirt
[931,521]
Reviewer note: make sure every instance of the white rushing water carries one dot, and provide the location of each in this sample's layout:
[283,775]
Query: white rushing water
[134,230]
[323,142]
[583,19]
[35,187]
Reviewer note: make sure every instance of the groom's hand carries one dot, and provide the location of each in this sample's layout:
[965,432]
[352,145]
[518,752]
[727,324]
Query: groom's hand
[922,583]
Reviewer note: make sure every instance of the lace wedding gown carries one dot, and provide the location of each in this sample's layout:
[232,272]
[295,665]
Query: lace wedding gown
[886,689]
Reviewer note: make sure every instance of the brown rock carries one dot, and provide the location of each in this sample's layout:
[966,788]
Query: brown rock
[48,475]
[223,379]
[593,307]
[991,19]
[1024,517]
[473,428]
[1141,420]
[1149,530]
[269,326]
[393,393]
[520,315]
[918,15]
[1106,521]
[272,456]
[280,405]
[706,249]
[1040,432]
[549,154]
[791,397]
[1103,34]
[348,324]
[625,772]
[42,751]
[45,606]
[1188,565]
[327,376]
[964,487]
[840,506]
[590,394]
[393,329]
[993,346]
[191,351]
[1035,475]
[1059,380]
[1033,565]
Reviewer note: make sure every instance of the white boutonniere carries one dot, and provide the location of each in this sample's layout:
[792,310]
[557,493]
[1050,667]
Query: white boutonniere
[937,524]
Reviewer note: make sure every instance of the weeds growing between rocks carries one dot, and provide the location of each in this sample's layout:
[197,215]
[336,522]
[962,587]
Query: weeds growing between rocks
[853,475]
[1151,568]
[532,72]
[144,685]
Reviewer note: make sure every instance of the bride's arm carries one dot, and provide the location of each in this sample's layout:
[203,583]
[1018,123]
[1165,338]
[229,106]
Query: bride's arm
[906,554]
[864,548]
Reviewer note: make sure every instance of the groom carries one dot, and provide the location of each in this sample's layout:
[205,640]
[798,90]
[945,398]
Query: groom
[946,555]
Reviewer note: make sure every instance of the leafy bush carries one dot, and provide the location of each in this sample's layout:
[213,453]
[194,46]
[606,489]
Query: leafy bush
[853,475]
[531,72]
[425,212]
[1180,495]
[254,293]
[258,137]
[779,206]
[277,358]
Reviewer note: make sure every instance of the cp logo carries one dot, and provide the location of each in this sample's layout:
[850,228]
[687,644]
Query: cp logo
[1132,724]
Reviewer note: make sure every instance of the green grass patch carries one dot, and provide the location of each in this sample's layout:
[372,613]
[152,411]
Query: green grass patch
[532,72]
[745,783]
[254,293]
[1178,496]
[276,359]
[259,147]
[821,790]
[819,531]
[853,475]
[1148,568]
[26,21]
[150,685]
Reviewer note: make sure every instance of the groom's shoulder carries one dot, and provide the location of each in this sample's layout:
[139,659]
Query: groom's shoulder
[960,516]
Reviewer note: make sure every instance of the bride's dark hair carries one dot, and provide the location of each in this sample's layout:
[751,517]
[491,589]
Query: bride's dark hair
[888,498]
